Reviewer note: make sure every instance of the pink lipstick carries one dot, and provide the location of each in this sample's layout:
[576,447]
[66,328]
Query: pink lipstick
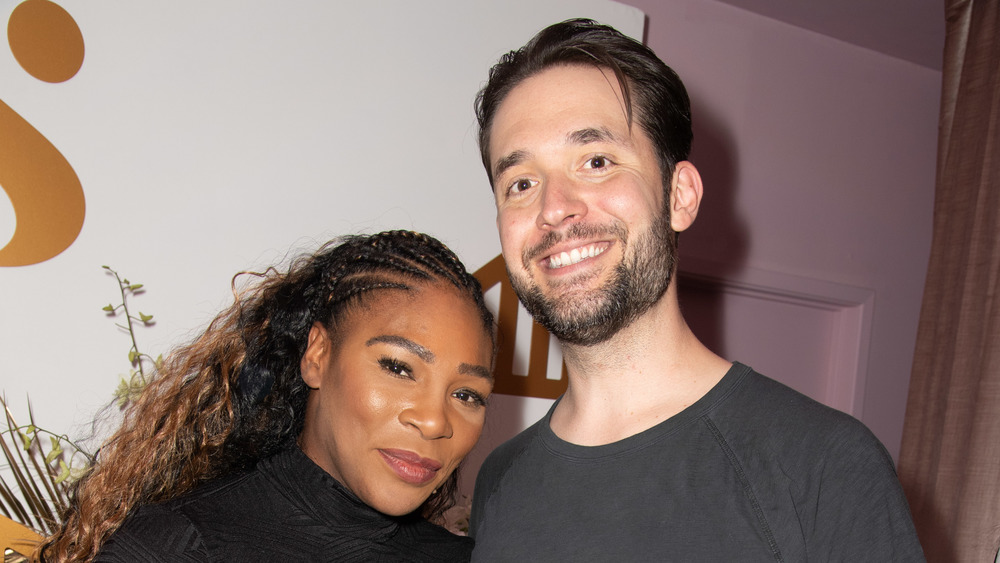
[410,467]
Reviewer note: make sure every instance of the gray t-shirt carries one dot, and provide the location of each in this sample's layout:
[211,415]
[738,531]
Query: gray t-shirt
[753,471]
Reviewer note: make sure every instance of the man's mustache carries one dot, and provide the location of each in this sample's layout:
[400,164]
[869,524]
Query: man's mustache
[577,231]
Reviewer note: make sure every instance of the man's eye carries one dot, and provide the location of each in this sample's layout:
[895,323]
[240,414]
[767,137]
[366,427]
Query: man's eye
[521,185]
[598,162]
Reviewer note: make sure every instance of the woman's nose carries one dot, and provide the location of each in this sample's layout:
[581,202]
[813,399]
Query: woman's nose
[429,417]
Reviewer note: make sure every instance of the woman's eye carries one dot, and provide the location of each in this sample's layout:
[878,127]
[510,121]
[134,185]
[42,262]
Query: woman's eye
[470,397]
[395,367]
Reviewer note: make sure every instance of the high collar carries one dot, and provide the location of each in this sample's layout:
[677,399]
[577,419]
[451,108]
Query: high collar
[326,499]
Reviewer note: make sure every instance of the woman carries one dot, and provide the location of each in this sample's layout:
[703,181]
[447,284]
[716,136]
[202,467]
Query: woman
[320,418]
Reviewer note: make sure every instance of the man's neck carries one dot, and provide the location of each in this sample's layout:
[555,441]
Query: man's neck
[648,372]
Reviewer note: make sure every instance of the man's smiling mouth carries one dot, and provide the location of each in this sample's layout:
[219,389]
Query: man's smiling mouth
[563,259]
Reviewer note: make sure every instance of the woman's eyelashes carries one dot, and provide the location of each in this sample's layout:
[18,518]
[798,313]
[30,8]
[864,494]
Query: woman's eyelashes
[402,370]
[471,397]
[396,368]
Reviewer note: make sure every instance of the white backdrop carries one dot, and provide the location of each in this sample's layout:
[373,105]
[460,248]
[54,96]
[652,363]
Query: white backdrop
[212,137]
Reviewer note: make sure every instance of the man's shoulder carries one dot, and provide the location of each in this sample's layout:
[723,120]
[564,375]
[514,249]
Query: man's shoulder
[766,415]
[841,479]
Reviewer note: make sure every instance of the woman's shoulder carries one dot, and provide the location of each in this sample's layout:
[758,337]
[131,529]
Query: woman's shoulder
[154,533]
[168,531]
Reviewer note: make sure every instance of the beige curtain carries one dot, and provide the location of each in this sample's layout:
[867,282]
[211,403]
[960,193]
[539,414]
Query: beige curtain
[950,458]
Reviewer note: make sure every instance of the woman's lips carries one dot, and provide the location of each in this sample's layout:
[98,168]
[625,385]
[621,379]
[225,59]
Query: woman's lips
[410,467]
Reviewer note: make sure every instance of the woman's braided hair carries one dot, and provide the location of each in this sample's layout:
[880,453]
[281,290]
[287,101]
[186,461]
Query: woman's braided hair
[234,395]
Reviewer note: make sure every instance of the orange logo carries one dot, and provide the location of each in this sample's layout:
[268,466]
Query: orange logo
[535,383]
[45,191]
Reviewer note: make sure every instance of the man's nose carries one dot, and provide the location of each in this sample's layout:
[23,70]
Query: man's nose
[560,202]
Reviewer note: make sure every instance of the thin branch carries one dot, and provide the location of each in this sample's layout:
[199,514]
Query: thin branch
[122,286]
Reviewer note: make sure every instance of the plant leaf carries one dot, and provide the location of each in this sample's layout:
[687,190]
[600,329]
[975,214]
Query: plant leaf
[121,393]
[53,454]
[64,473]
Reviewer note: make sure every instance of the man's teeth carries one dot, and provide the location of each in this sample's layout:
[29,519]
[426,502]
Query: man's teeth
[564,259]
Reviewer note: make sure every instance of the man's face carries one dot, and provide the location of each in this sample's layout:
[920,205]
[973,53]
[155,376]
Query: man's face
[583,221]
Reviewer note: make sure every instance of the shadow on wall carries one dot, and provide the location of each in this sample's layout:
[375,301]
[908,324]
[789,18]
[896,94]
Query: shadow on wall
[719,235]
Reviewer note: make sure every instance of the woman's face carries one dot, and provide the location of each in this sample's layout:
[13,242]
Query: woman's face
[398,397]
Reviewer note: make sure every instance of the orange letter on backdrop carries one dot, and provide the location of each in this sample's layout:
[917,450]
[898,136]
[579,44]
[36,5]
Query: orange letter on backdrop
[45,191]
[535,383]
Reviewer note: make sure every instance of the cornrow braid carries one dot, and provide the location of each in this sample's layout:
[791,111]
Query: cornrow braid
[234,395]
[320,288]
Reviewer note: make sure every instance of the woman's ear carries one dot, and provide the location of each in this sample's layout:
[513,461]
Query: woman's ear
[316,357]
[685,195]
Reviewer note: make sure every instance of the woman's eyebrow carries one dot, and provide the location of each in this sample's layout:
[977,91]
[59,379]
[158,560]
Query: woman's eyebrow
[477,370]
[426,355]
[421,352]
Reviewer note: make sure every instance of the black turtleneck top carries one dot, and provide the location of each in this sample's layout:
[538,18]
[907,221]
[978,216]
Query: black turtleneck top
[286,509]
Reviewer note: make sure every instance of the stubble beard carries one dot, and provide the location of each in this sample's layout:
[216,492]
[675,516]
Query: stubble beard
[586,317]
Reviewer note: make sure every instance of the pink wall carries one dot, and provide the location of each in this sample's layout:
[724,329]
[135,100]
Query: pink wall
[818,159]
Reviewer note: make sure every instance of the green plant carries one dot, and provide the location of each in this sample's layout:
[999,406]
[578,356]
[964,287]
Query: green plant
[42,473]
[35,480]
[130,387]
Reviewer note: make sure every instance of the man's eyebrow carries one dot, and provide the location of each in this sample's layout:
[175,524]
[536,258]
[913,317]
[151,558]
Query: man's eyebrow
[472,369]
[592,135]
[578,137]
[508,161]
[421,352]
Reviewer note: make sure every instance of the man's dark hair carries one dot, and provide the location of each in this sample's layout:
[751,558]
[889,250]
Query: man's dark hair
[660,106]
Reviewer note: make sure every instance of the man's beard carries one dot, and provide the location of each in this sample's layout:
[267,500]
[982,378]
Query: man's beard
[593,316]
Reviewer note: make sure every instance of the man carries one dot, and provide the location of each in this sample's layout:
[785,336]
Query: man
[659,450]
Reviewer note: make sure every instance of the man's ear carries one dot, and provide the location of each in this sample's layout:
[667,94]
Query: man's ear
[685,195]
[316,357]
